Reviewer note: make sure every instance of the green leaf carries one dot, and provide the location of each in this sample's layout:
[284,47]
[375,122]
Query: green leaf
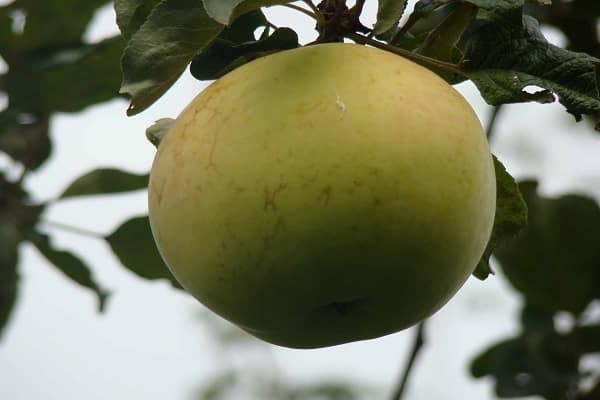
[105,181]
[498,11]
[131,14]
[9,257]
[72,266]
[162,47]
[441,43]
[24,137]
[134,245]
[510,218]
[224,56]
[53,23]
[226,11]
[66,79]
[389,13]
[530,365]
[587,338]
[554,262]
[520,56]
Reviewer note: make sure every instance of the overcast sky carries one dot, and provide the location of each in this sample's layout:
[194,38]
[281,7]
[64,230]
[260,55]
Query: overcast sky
[152,342]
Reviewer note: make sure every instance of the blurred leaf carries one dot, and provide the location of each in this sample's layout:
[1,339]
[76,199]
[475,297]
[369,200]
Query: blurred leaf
[131,14]
[24,137]
[54,22]
[134,245]
[226,11]
[540,361]
[325,390]
[219,386]
[223,56]
[105,181]
[588,338]
[510,218]
[577,19]
[9,241]
[72,266]
[530,365]
[389,13]
[159,51]
[555,261]
[520,57]
[67,79]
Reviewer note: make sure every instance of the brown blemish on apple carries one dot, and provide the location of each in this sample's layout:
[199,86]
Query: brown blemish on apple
[271,195]
[278,228]
[325,194]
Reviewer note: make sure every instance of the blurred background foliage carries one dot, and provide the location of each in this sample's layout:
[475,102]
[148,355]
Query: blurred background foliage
[554,263]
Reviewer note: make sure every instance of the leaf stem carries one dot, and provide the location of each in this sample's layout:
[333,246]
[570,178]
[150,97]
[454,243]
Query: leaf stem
[318,15]
[72,229]
[418,58]
[417,346]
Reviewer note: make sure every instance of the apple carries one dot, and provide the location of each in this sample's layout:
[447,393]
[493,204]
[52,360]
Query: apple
[324,195]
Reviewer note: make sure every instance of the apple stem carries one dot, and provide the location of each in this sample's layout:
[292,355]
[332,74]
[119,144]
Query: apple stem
[416,348]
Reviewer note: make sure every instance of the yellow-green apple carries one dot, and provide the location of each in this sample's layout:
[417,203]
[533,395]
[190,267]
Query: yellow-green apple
[324,195]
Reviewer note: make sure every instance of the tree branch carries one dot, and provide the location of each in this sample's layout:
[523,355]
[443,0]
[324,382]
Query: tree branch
[417,345]
[418,58]
[71,229]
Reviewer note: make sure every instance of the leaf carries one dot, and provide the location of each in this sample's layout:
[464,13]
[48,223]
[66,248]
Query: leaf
[441,43]
[223,56]
[520,57]
[134,245]
[161,48]
[226,11]
[9,257]
[576,19]
[105,181]
[66,79]
[555,261]
[72,266]
[389,13]
[24,137]
[510,218]
[131,14]
[530,365]
[53,23]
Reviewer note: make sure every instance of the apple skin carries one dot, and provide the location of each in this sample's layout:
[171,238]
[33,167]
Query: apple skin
[324,195]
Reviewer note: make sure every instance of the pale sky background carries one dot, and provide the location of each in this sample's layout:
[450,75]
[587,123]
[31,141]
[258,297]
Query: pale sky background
[152,343]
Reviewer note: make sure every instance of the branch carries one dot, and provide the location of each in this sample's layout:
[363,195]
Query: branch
[315,9]
[418,58]
[71,229]
[417,345]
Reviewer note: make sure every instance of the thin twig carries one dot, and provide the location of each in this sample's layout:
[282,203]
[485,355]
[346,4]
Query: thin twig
[417,345]
[491,125]
[455,68]
[72,229]
[300,9]
[312,7]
